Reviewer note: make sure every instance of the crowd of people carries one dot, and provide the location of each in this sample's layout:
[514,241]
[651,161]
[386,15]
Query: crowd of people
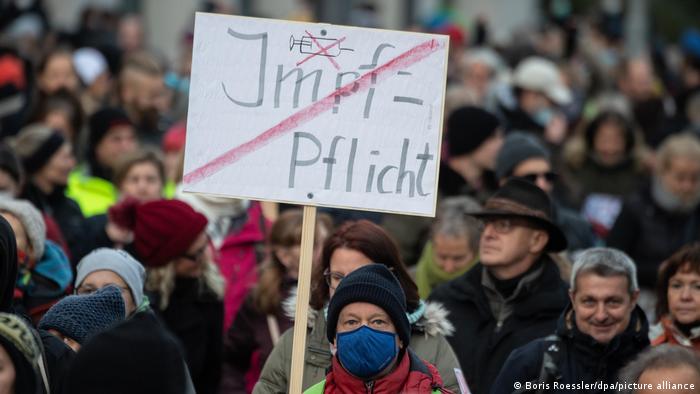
[564,257]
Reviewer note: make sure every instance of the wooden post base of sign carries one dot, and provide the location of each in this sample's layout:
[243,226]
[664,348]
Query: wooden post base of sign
[308,230]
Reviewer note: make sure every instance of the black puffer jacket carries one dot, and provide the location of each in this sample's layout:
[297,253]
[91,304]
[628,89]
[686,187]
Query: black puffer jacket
[581,358]
[481,346]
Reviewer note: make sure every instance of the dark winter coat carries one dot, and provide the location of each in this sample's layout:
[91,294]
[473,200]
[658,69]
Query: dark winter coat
[8,265]
[649,234]
[582,359]
[58,358]
[249,334]
[80,237]
[578,232]
[483,342]
[197,321]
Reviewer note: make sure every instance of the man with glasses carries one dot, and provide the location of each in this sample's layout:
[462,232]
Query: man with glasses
[524,156]
[515,293]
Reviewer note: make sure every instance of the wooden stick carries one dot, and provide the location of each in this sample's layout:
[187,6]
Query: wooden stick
[308,229]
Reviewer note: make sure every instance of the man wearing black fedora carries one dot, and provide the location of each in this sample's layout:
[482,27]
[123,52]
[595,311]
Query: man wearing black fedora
[515,293]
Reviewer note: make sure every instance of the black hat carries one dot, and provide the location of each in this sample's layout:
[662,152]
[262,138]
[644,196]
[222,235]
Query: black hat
[468,128]
[517,148]
[374,284]
[520,198]
[102,121]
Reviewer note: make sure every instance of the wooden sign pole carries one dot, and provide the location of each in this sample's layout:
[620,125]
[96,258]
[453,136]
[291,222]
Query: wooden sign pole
[308,230]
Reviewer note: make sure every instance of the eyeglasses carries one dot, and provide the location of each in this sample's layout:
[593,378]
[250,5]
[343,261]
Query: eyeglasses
[506,225]
[332,278]
[549,176]
[84,290]
[197,256]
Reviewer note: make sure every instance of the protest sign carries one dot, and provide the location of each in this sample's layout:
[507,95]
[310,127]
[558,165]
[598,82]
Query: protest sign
[315,114]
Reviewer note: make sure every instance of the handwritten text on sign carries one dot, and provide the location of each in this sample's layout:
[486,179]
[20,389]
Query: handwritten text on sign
[315,114]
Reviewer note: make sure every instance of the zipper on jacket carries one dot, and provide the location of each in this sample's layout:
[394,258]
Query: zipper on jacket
[369,386]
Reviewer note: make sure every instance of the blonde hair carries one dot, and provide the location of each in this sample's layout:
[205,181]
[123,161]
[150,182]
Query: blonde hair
[162,281]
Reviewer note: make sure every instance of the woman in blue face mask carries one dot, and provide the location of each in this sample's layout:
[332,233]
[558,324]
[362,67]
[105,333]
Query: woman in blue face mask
[369,334]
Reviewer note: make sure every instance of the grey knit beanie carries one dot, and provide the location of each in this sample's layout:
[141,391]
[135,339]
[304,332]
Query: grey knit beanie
[32,221]
[117,261]
[79,317]
[518,147]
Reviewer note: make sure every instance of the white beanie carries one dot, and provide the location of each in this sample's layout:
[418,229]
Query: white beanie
[31,220]
[89,63]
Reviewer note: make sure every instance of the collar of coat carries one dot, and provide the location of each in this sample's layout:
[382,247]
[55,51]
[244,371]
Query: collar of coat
[543,298]
[433,321]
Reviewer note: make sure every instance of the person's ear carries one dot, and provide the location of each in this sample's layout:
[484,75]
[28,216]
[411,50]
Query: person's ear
[538,241]
[571,296]
[635,298]
[283,256]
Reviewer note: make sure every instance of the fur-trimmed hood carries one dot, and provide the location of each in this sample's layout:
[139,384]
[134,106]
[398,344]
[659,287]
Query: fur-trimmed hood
[432,321]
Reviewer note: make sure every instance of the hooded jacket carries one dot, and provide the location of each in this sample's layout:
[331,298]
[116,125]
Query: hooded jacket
[485,341]
[427,341]
[583,359]
[411,375]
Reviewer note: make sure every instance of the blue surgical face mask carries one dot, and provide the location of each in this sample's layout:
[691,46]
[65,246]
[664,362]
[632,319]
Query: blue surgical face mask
[365,352]
[543,116]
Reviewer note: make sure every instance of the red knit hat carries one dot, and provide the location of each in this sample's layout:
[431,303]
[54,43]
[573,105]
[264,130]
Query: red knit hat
[163,229]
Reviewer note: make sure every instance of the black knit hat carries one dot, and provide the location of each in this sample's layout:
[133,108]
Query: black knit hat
[374,284]
[468,128]
[517,148]
[102,121]
[522,199]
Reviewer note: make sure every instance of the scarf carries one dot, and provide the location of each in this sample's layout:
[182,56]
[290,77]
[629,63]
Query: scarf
[429,274]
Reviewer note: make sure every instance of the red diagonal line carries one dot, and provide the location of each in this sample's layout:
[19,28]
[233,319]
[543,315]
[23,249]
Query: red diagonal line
[322,50]
[306,114]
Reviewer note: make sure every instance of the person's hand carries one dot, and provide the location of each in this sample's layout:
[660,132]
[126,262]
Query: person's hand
[555,132]
[118,235]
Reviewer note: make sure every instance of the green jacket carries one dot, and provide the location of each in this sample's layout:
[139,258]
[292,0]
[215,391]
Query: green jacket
[427,341]
[94,195]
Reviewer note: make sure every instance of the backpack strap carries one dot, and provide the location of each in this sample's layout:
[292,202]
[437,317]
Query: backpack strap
[551,360]
[549,369]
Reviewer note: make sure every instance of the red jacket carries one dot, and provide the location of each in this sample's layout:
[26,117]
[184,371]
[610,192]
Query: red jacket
[412,375]
[666,332]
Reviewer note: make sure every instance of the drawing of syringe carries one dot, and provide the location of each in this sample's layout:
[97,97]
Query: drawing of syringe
[306,45]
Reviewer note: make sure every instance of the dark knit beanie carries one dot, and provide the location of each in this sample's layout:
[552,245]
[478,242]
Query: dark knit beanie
[163,229]
[81,316]
[374,284]
[43,153]
[137,356]
[517,148]
[468,128]
[10,163]
[102,121]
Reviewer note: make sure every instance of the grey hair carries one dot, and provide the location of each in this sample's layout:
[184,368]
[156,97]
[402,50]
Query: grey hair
[605,262]
[452,220]
[659,357]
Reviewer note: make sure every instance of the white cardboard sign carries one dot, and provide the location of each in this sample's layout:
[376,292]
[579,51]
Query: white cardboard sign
[315,114]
